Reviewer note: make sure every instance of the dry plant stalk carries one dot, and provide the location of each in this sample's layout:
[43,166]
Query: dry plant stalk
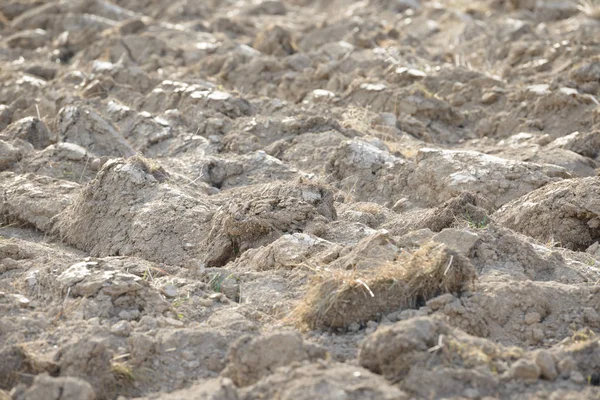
[591,8]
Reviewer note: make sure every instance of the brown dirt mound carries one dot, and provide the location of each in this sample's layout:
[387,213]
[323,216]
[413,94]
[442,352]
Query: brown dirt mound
[154,219]
[466,207]
[257,215]
[566,213]
[251,359]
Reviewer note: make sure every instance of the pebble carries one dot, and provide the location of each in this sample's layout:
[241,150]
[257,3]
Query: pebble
[170,291]
[565,366]
[532,318]
[147,323]
[577,377]
[22,301]
[590,315]
[31,278]
[129,315]
[544,360]
[386,119]
[537,334]
[454,308]
[461,241]
[205,302]
[371,327]
[438,302]
[489,97]
[121,328]
[173,322]
[525,369]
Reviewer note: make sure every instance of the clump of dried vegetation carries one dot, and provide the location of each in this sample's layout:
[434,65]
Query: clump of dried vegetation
[338,298]
[591,8]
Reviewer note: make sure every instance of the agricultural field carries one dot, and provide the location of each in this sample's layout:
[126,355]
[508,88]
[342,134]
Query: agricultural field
[299,199]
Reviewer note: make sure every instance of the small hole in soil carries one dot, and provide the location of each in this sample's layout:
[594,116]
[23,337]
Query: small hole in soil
[420,302]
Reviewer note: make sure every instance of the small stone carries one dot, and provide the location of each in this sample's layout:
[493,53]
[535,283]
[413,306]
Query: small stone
[205,302]
[70,151]
[298,62]
[371,327]
[129,315]
[121,328]
[47,72]
[532,318]
[590,315]
[577,377]
[173,322]
[22,300]
[403,204]
[275,41]
[489,98]
[566,366]
[94,321]
[95,164]
[319,95]
[147,323]
[354,327]
[544,360]
[415,238]
[454,308]
[131,26]
[537,334]
[141,346]
[461,241]
[386,119]
[525,369]
[170,291]
[438,302]
[75,273]
[31,278]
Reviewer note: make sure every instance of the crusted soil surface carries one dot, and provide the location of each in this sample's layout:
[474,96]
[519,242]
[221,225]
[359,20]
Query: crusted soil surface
[299,199]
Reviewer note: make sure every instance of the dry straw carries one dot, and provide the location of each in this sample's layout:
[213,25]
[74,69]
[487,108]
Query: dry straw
[338,298]
[591,8]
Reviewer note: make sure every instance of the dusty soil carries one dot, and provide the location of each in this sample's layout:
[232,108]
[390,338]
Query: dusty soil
[296,199]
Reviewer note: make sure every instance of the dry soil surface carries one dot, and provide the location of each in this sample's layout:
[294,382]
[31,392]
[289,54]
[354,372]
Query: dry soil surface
[299,199]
